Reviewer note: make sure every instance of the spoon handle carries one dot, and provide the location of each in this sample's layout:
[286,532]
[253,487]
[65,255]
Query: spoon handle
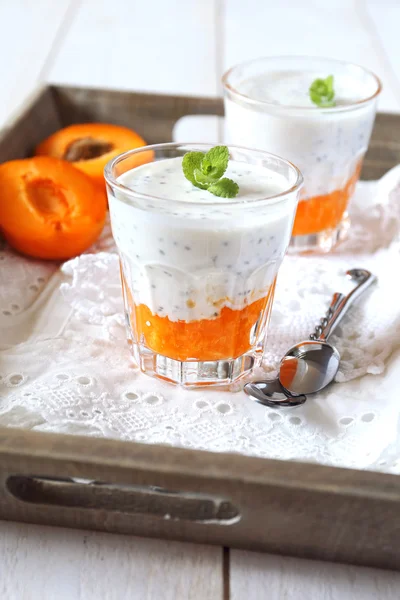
[337,298]
[341,303]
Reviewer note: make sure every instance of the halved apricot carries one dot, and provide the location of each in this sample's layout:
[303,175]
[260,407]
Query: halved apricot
[89,146]
[48,208]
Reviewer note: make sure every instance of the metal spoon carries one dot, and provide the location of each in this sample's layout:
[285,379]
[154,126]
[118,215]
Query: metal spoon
[310,366]
[272,393]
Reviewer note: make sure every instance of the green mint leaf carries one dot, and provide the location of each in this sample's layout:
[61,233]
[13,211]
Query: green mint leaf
[204,179]
[225,188]
[192,162]
[205,171]
[329,85]
[215,162]
[322,93]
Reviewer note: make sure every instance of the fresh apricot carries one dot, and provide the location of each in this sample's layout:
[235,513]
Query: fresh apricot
[48,208]
[89,146]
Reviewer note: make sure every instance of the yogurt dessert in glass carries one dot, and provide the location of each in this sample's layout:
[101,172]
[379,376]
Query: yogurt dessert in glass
[198,271]
[268,106]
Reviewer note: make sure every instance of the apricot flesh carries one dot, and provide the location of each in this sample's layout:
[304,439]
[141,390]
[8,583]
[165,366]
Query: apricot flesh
[89,146]
[48,208]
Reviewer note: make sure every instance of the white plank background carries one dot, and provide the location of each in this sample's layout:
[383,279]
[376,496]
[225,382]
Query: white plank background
[262,576]
[62,564]
[29,34]
[183,47]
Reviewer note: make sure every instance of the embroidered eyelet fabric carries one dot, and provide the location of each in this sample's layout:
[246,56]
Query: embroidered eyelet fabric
[65,365]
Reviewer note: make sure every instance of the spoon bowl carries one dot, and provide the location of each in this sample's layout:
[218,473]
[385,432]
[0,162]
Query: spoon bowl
[272,394]
[309,367]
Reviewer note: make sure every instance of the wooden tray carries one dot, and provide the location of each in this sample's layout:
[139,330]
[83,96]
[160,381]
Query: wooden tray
[284,507]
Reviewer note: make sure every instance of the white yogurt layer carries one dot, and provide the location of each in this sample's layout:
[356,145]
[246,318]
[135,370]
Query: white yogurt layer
[326,145]
[165,179]
[291,88]
[188,259]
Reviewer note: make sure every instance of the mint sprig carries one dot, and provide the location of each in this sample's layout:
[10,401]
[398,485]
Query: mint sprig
[204,170]
[322,93]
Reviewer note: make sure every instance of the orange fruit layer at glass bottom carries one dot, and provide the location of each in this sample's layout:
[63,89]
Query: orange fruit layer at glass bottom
[324,212]
[225,336]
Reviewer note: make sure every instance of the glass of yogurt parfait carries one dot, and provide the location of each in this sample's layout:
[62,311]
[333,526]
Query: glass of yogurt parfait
[269,106]
[198,271]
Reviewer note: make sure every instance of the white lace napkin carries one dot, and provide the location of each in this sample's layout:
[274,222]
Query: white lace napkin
[65,365]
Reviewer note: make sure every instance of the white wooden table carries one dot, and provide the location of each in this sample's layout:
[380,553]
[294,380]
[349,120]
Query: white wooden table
[178,46]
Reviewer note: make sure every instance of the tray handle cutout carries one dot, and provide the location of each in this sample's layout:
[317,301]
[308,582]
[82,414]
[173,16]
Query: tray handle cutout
[128,499]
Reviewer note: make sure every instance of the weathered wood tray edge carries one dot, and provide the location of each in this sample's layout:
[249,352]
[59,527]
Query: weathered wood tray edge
[158,491]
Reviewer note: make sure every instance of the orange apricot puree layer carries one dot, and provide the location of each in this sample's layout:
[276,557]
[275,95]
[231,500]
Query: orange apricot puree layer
[225,336]
[326,211]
